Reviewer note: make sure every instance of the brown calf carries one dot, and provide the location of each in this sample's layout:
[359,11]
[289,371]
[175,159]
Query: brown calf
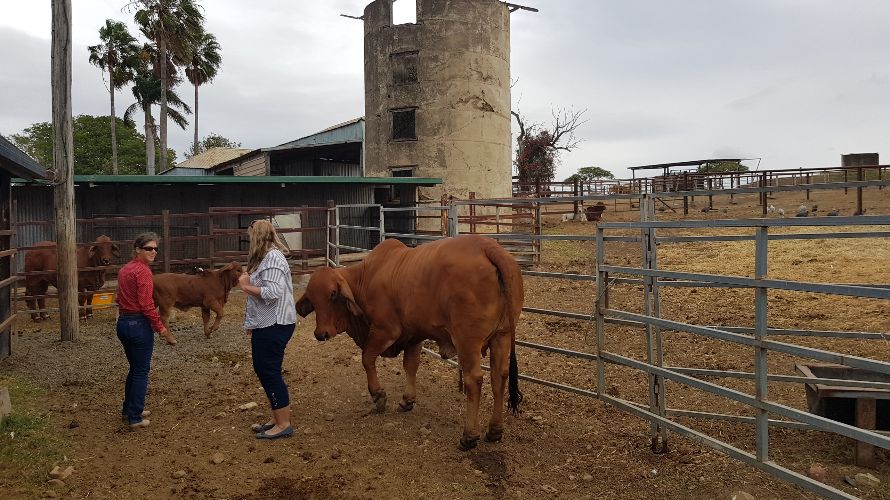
[98,254]
[208,290]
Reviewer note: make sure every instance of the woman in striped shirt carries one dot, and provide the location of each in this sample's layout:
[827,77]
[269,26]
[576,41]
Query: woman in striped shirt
[270,319]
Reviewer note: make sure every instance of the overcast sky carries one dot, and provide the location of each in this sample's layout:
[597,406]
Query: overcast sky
[796,83]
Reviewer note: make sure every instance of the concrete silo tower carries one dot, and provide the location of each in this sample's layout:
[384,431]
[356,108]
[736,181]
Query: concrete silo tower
[437,96]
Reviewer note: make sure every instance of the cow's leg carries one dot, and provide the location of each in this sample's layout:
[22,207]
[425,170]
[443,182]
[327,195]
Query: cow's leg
[500,366]
[42,290]
[31,289]
[164,313]
[205,316]
[88,305]
[219,310]
[470,359]
[410,362]
[377,343]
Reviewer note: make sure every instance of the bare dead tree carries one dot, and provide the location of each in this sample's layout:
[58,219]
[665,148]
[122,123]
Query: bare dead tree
[538,147]
[565,122]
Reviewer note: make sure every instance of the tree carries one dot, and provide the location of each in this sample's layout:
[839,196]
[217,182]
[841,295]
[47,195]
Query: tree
[174,26]
[147,91]
[722,166]
[537,148]
[211,141]
[117,56]
[202,68]
[92,145]
[588,174]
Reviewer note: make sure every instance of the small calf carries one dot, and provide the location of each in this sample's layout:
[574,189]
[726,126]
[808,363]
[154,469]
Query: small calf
[208,290]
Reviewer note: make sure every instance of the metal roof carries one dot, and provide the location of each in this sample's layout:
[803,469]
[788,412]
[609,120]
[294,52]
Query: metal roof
[17,163]
[689,163]
[236,179]
[212,157]
[348,131]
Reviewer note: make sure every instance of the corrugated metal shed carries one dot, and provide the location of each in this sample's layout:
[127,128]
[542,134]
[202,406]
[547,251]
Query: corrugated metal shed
[17,164]
[334,151]
[13,162]
[130,195]
[349,131]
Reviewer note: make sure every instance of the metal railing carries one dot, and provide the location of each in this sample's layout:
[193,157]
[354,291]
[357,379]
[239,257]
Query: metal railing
[757,338]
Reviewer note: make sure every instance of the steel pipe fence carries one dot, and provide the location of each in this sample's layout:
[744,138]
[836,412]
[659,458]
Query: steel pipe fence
[756,338]
[653,279]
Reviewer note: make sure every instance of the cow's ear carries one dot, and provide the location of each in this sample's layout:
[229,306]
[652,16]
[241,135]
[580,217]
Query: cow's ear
[304,307]
[115,250]
[346,293]
[92,252]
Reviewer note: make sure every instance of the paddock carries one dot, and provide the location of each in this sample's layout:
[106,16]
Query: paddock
[563,445]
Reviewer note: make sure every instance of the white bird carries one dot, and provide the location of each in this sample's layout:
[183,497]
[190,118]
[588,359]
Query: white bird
[781,212]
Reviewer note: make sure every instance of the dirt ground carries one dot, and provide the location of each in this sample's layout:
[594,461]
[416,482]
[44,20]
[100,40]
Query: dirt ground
[561,446]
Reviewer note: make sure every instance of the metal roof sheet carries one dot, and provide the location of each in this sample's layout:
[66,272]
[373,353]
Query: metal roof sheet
[236,179]
[17,163]
[212,157]
[689,163]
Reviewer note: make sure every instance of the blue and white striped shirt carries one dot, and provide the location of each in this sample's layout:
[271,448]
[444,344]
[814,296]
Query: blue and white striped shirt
[276,304]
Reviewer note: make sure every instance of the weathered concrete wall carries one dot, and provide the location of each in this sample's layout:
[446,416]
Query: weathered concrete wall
[453,68]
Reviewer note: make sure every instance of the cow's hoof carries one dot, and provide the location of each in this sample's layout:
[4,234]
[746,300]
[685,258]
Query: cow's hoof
[494,436]
[467,444]
[406,405]
[380,402]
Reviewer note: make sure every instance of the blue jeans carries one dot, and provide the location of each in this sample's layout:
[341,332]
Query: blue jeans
[267,350]
[137,337]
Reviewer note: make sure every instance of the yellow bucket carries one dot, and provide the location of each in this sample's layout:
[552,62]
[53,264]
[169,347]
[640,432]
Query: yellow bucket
[102,300]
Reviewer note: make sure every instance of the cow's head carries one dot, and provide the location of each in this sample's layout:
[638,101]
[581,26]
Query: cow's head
[103,250]
[231,271]
[329,295]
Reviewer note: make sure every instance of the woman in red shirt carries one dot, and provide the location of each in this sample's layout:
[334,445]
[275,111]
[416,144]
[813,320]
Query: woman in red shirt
[136,324]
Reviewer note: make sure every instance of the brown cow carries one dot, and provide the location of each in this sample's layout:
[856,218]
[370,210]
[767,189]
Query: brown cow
[98,254]
[465,293]
[208,290]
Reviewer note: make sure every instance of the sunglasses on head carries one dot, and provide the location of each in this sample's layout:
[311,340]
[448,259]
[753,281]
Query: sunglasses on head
[149,248]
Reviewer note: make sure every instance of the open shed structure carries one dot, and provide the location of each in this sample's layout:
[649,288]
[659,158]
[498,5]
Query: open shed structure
[13,163]
[121,207]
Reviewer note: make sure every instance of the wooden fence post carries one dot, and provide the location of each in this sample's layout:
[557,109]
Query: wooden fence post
[63,164]
[860,176]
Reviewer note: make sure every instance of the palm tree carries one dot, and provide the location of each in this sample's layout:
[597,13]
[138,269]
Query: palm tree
[174,26]
[201,68]
[147,90]
[115,55]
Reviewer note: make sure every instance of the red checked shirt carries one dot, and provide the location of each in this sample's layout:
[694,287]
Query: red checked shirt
[134,292]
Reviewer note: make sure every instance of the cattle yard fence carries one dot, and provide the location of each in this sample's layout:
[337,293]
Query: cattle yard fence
[760,338]
[188,240]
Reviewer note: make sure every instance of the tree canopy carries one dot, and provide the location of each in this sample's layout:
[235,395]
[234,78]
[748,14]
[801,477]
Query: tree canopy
[587,174]
[92,145]
[211,140]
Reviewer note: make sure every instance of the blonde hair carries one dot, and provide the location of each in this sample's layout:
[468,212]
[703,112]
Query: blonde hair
[262,239]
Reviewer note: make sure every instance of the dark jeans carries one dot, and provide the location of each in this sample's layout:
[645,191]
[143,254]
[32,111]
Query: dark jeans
[135,334]
[267,350]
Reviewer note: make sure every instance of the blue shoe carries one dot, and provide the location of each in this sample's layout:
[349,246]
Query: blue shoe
[261,427]
[283,434]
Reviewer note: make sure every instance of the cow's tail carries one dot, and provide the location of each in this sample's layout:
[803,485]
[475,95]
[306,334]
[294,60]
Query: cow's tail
[510,278]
